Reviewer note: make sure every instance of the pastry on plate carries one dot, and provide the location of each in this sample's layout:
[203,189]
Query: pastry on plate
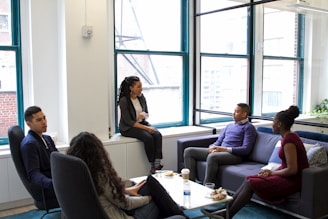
[169,173]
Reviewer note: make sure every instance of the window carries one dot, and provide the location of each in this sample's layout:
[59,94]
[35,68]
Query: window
[152,45]
[281,63]
[223,60]
[10,68]
[246,56]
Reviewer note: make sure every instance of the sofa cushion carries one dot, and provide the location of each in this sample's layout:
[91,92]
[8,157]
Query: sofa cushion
[232,176]
[308,146]
[263,147]
[274,160]
[266,130]
[311,141]
[317,155]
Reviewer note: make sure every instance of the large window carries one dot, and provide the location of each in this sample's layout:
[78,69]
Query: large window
[247,54]
[223,65]
[151,42]
[10,68]
[281,63]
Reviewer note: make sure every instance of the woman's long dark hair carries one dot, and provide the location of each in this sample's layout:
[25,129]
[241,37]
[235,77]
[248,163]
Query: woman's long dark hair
[125,86]
[90,149]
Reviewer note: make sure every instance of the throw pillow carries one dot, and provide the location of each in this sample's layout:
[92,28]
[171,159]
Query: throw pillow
[317,155]
[308,146]
[163,200]
[274,160]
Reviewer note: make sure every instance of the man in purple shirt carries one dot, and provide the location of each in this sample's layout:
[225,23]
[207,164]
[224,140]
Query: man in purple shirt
[235,141]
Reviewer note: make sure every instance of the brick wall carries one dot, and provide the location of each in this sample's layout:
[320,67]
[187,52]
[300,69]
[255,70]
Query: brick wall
[8,111]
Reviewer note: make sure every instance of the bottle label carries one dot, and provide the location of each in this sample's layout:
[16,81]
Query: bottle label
[186,192]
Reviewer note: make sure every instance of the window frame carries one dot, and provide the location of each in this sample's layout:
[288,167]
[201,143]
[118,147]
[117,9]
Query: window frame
[251,67]
[184,53]
[16,47]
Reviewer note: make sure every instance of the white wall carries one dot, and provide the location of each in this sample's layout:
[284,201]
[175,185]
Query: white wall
[87,62]
[70,74]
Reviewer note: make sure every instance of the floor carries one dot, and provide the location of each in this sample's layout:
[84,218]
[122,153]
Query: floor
[18,210]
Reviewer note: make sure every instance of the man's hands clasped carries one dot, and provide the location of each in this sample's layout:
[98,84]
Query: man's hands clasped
[213,149]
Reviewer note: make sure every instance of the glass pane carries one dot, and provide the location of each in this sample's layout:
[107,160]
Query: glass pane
[210,5]
[8,103]
[214,120]
[279,85]
[218,36]
[223,83]
[280,33]
[148,25]
[161,78]
[5,21]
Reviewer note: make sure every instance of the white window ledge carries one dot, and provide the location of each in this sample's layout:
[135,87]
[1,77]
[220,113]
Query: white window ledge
[118,138]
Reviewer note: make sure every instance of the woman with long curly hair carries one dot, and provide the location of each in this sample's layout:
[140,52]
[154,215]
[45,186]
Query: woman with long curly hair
[118,201]
[133,120]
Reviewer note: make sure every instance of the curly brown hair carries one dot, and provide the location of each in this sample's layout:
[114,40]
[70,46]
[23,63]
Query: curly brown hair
[124,89]
[91,150]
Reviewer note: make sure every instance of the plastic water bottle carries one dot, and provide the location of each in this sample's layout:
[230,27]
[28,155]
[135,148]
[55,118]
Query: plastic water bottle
[186,194]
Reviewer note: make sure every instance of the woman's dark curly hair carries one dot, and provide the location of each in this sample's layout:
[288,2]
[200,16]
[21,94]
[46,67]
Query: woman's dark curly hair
[125,86]
[90,149]
[287,117]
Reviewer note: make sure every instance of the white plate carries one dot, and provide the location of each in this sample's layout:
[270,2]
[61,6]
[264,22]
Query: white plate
[208,195]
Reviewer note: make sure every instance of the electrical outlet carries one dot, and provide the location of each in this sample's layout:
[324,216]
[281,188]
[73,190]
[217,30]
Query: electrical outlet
[87,31]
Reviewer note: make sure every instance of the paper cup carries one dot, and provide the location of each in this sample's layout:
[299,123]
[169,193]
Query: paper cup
[185,173]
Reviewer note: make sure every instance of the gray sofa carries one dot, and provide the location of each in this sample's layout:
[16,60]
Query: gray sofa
[311,202]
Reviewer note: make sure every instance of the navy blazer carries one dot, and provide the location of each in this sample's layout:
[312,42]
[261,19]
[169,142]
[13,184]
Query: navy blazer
[128,113]
[36,158]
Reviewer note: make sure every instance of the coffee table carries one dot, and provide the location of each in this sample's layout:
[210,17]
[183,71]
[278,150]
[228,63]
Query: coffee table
[199,194]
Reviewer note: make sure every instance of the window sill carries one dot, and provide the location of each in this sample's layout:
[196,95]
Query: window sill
[117,138]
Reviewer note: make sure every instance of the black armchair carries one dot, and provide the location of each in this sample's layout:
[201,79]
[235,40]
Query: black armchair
[75,188]
[39,195]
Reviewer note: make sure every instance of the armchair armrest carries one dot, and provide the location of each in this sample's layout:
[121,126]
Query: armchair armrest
[198,141]
[314,191]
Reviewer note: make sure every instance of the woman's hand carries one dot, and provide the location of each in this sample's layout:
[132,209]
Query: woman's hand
[141,116]
[133,190]
[151,130]
[265,173]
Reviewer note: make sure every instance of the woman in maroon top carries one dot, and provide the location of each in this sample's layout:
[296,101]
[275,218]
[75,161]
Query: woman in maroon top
[273,186]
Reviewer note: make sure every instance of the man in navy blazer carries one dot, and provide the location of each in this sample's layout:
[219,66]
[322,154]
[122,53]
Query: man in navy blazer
[36,149]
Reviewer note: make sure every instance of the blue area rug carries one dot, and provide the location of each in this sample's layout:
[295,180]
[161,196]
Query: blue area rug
[35,214]
[250,211]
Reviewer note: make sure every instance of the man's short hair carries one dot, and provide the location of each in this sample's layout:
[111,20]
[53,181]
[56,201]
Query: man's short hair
[28,115]
[244,107]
